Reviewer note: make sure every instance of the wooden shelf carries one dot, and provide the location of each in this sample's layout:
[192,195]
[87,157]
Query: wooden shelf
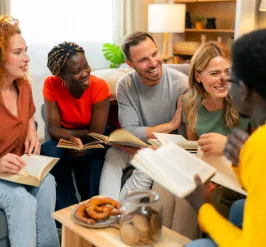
[192,30]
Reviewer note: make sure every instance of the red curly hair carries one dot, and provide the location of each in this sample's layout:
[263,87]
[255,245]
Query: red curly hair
[8,28]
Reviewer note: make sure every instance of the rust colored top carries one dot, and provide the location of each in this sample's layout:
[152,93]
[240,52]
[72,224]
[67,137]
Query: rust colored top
[13,129]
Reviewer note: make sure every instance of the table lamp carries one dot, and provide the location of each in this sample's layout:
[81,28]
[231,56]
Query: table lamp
[166,18]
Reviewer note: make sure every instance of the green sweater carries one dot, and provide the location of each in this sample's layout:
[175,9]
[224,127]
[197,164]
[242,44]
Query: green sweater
[214,122]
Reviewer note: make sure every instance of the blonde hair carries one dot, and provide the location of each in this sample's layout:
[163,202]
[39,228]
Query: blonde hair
[199,62]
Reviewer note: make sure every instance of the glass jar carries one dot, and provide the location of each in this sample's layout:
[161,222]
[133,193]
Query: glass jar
[141,218]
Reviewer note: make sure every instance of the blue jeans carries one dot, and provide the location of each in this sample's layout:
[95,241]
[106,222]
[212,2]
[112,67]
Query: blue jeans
[236,217]
[28,211]
[87,170]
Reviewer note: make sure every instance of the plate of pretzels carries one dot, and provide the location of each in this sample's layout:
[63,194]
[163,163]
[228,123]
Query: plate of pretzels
[97,212]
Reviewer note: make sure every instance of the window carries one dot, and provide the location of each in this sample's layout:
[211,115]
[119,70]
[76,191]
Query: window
[54,21]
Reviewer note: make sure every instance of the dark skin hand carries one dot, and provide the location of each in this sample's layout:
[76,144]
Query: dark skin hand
[97,124]
[200,195]
[234,144]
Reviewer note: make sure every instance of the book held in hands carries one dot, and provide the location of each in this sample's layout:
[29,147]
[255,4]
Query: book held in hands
[38,166]
[120,137]
[164,139]
[175,168]
[88,144]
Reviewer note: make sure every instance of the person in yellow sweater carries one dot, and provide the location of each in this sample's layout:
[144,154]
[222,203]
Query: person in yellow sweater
[248,92]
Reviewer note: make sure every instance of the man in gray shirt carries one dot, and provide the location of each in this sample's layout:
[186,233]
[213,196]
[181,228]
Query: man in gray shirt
[149,101]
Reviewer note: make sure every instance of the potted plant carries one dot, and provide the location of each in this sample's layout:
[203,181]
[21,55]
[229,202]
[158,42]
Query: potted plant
[113,54]
[199,20]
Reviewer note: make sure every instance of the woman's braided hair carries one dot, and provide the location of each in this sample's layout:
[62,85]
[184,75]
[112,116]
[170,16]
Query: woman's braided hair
[58,56]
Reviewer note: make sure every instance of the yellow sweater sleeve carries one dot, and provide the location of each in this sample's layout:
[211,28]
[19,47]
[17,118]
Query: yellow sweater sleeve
[253,174]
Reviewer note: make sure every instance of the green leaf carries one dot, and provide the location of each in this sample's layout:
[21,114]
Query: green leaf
[113,53]
[114,66]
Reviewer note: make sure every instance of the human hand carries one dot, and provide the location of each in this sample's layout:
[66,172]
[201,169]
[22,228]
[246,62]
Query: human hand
[11,163]
[77,141]
[177,118]
[234,144]
[200,195]
[130,150]
[212,143]
[31,143]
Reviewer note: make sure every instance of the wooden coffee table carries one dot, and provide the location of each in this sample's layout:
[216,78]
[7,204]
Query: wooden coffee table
[75,235]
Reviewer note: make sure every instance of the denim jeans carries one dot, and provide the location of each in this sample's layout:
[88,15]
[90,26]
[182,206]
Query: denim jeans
[87,170]
[236,217]
[28,211]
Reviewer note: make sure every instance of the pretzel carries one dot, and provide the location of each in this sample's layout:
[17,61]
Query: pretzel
[104,201]
[98,213]
[102,208]
[82,216]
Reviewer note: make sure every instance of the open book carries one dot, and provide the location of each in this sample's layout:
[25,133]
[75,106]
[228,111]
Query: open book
[164,139]
[120,137]
[224,175]
[174,168]
[88,143]
[38,166]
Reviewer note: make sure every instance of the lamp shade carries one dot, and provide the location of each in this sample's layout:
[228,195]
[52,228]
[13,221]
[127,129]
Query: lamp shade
[262,5]
[166,18]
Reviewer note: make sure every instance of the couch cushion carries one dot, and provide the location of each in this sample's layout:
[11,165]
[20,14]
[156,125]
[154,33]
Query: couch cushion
[111,76]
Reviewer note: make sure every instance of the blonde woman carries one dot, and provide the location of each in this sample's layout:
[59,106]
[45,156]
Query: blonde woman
[208,111]
[209,114]
[209,117]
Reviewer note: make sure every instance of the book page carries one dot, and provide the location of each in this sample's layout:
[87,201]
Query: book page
[169,138]
[148,161]
[187,164]
[67,144]
[225,175]
[91,146]
[99,137]
[123,137]
[155,142]
[89,140]
[36,164]
[188,145]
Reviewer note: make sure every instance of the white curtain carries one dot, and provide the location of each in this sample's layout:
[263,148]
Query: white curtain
[4,7]
[129,16]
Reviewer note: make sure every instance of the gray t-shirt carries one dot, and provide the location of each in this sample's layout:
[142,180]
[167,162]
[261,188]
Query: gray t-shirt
[141,106]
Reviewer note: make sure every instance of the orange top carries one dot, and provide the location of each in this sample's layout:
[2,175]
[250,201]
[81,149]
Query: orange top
[13,129]
[75,113]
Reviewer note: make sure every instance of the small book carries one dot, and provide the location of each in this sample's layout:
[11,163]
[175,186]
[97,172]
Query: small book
[88,143]
[174,168]
[120,137]
[164,139]
[38,166]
